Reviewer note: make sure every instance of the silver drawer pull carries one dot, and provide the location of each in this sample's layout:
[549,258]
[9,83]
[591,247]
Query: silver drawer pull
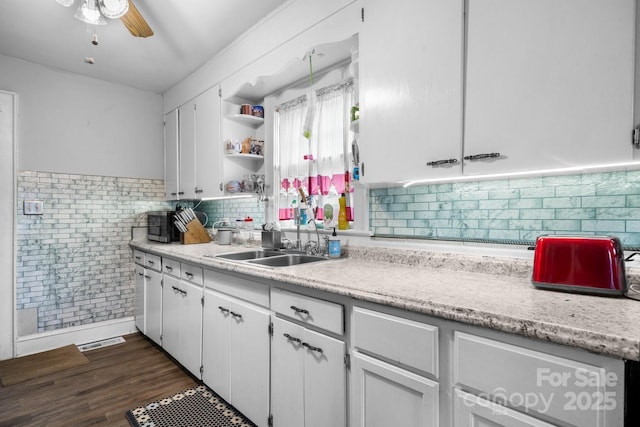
[150,262]
[236,315]
[294,339]
[168,268]
[189,275]
[312,348]
[299,310]
[224,310]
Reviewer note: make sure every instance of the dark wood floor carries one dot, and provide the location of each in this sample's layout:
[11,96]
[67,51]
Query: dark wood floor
[117,378]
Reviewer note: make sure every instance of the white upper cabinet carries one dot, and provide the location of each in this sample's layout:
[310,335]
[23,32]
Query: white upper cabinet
[208,154]
[411,89]
[494,86]
[171,155]
[192,149]
[187,143]
[549,83]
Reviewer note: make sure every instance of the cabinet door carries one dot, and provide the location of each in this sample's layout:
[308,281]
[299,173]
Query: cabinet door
[153,305]
[324,381]
[187,128]
[171,315]
[139,303]
[379,386]
[411,55]
[250,361]
[216,342]
[287,374]
[548,83]
[473,411]
[190,327]
[171,155]
[208,156]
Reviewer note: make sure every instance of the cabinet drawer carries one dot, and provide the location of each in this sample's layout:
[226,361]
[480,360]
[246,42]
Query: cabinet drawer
[472,410]
[404,341]
[152,262]
[238,287]
[138,257]
[191,273]
[171,266]
[311,311]
[581,394]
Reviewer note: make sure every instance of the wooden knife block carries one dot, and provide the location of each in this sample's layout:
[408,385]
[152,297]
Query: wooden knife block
[195,234]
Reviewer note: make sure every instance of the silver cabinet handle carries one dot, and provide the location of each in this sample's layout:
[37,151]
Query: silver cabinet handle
[312,348]
[224,310]
[299,310]
[482,156]
[236,315]
[442,162]
[189,275]
[293,339]
[168,268]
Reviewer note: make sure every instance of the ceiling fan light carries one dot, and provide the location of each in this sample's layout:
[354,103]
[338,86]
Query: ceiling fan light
[66,3]
[89,12]
[113,9]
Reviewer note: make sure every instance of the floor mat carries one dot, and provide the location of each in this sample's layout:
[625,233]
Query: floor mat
[197,406]
[20,369]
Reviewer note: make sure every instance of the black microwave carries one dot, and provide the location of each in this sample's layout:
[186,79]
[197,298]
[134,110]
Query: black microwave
[160,227]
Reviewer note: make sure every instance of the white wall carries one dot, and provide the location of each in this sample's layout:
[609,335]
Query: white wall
[75,124]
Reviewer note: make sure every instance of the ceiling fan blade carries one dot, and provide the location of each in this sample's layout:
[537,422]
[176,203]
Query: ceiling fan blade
[135,23]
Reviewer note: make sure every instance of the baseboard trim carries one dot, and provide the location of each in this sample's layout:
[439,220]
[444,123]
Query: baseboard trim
[74,335]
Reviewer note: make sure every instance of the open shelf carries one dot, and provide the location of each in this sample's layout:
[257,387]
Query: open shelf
[246,119]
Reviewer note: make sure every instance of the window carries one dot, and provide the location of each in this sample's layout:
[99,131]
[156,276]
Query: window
[320,164]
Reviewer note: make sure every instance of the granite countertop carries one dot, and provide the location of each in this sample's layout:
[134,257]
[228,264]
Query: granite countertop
[478,290]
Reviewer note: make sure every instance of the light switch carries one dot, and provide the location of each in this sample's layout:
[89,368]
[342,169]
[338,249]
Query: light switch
[33,207]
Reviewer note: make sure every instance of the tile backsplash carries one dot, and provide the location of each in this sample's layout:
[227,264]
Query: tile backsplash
[233,209]
[73,262]
[512,209]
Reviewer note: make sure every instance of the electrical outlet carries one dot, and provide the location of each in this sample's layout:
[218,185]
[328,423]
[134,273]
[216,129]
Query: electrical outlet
[33,207]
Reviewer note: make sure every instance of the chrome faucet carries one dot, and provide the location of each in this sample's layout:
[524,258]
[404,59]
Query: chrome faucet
[314,249]
[298,219]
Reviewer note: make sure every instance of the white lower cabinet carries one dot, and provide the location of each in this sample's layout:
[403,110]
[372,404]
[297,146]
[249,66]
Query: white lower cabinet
[182,322]
[139,308]
[153,305]
[567,387]
[474,411]
[387,396]
[308,377]
[148,295]
[391,361]
[235,353]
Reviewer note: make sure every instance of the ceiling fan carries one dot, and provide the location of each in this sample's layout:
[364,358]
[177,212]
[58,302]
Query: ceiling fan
[94,11]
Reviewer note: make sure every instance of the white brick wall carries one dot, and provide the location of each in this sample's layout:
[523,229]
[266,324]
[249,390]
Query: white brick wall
[73,262]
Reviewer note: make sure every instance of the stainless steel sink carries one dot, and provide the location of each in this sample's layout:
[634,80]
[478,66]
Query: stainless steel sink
[270,258]
[287,260]
[249,255]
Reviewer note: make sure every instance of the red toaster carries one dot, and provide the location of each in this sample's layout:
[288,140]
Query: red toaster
[593,265]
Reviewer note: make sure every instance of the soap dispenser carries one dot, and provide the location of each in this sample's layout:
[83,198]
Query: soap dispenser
[334,245]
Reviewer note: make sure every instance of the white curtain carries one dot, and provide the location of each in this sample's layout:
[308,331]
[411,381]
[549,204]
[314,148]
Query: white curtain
[318,164]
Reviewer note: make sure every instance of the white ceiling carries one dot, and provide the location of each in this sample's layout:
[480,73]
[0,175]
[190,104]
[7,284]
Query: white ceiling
[187,34]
